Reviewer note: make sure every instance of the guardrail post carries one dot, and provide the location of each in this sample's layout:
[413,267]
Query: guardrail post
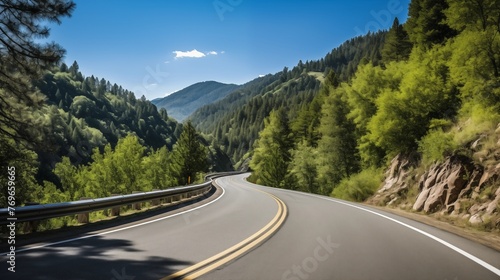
[83,218]
[115,211]
[137,205]
[31,226]
[156,202]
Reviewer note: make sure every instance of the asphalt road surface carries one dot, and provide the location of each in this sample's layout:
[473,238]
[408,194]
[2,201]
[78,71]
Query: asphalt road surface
[321,238]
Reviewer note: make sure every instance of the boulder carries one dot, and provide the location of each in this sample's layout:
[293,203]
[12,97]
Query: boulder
[475,219]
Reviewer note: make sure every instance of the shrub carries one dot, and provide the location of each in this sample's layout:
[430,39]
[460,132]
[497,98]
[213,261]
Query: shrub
[360,186]
[436,145]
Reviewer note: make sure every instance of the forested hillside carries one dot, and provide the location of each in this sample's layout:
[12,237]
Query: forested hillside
[96,138]
[184,102]
[236,120]
[68,136]
[88,112]
[82,113]
[435,90]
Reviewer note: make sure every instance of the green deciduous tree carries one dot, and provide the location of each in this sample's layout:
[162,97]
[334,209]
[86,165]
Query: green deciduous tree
[425,93]
[68,179]
[156,170]
[304,168]
[475,61]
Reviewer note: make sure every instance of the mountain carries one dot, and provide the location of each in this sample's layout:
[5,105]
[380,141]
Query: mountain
[236,120]
[183,103]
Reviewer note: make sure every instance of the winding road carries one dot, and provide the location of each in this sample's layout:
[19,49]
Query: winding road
[255,232]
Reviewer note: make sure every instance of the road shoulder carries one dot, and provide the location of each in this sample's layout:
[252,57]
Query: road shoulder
[490,239]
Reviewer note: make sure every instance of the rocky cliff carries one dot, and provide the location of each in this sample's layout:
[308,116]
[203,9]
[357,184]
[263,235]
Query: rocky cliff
[465,186]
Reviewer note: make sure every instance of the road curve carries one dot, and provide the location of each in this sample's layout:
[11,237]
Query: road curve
[321,238]
[325,238]
[154,249]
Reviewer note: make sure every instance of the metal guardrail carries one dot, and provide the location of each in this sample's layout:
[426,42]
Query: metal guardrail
[53,210]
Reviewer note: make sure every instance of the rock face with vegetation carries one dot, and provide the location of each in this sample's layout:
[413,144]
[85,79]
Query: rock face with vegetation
[465,185]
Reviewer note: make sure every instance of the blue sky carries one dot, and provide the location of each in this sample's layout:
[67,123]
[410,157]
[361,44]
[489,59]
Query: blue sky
[156,47]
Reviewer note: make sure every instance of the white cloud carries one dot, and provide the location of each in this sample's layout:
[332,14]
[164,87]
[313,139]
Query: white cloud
[260,76]
[151,86]
[193,54]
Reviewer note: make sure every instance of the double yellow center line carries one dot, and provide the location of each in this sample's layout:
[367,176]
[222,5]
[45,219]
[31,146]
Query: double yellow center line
[237,250]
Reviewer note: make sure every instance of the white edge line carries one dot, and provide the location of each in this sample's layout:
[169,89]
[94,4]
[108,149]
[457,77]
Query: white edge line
[119,229]
[449,245]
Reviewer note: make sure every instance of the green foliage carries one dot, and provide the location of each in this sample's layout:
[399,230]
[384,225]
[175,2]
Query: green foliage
[123,170]
[426,25]
[272,153]
[435,146]
[23,58]
[397,46]
[51,194]
[22,164]
[66,173]
[366,87]
[156,173]
[425,93]
[303,168]
[92,112]
[475,120]
[475,62]
[360,186]
[189,156]
[435,99]
[337,155]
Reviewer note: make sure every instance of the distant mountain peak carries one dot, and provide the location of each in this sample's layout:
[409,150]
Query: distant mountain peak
[181,104]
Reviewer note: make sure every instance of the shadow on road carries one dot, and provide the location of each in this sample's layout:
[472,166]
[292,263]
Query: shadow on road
[94,258]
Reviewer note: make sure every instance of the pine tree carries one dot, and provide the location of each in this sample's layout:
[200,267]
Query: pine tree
[426,25]
[337,154]
[397,46]
[272,154]
[22,60]
[189,155]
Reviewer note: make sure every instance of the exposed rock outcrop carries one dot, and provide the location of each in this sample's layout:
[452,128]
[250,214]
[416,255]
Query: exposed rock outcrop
[460,186]
[395,184]
[444,183]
